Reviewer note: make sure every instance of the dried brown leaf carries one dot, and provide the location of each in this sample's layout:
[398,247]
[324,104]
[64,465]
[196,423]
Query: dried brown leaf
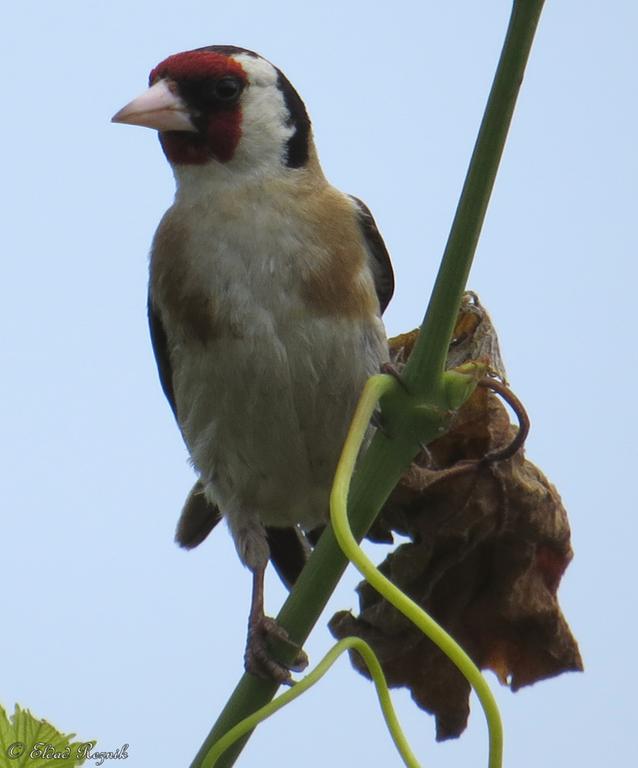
[487,550]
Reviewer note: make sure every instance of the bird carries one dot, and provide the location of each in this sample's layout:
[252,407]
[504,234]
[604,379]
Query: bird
[266,291]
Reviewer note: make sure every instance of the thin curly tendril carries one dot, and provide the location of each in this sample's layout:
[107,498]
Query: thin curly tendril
[376,387]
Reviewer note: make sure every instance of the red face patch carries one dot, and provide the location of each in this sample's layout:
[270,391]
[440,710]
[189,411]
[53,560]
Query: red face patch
[219,124]
[196,64]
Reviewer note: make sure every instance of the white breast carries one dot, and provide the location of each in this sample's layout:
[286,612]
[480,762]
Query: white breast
[265,402]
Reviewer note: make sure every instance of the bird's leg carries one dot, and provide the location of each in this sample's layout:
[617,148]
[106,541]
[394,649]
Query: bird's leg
[258,659]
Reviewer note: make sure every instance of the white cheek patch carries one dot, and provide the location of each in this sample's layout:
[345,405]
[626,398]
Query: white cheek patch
[265,124]
[260,72]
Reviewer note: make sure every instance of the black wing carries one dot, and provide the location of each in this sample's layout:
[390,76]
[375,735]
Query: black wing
[160,348]
[199,516]
[379,257]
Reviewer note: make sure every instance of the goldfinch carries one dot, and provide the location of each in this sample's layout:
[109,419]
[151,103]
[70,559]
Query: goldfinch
[266,290]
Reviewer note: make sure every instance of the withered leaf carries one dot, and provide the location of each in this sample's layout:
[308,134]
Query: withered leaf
[487,550]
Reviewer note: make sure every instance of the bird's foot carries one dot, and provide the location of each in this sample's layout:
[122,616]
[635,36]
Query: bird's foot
[390,369]
[258,659]
[377,420]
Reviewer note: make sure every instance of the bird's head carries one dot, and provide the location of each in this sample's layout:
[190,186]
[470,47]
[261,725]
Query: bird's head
[223,106]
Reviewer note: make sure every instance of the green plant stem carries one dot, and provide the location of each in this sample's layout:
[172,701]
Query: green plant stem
[386,459]
[427,360]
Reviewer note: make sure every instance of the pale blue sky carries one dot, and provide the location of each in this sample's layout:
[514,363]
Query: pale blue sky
[108,629]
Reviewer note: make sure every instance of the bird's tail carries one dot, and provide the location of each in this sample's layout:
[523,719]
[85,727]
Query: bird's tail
[197,519]
[289,547]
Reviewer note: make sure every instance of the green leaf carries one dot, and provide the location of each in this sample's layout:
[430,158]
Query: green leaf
[26,742]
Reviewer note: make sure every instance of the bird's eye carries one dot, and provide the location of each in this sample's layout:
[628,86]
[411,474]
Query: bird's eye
[228,88]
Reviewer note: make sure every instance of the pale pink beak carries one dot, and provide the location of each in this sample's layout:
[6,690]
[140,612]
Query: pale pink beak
[158,108]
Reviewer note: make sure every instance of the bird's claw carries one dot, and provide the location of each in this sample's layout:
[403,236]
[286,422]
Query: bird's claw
[390,369]
[258,659]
